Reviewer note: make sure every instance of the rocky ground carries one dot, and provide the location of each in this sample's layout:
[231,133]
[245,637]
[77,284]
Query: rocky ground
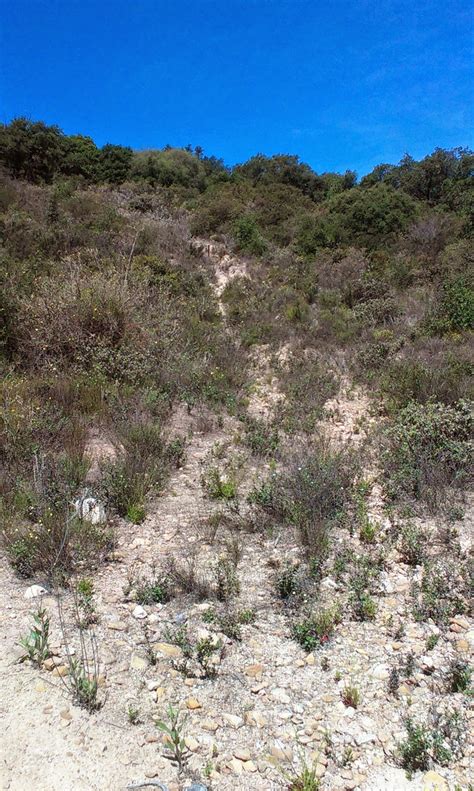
[270,705]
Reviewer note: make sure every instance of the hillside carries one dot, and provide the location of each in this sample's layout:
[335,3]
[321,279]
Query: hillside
[236,456]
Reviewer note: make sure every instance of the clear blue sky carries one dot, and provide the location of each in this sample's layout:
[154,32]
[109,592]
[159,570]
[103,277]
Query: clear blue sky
[342,83]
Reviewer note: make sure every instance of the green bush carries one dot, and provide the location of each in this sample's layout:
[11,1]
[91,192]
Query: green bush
[435,742]
[429,448]
[288,582]
[153,591]
[455,310]
[412,544]
[447,378]
[364,573]
[248,236]
[444,591]
[415,752]
[260,436]
[144,466]
[315,630]
[459,676]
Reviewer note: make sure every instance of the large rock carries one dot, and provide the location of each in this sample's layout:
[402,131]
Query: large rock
[90,510]
[34,591]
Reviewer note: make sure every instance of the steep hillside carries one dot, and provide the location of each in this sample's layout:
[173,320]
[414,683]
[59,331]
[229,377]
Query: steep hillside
[236,456]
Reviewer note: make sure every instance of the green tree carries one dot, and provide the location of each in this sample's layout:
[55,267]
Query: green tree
[81,157]
[114,163]
[370,216]
[31,149]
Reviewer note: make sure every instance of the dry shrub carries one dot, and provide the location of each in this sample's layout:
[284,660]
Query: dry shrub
[313,493]
[76,319]
[186,576]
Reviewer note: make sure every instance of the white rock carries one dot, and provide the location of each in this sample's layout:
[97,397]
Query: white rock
[364,738]
[380,672]
[385,583]
[280,695]
[139,612]
[90,510]
[328,584]
[34,591]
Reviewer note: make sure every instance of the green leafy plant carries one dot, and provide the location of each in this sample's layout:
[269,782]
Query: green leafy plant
[316,629]
[133,714]
[368,532]
[351,696]
[174,728]
[83,678]
[304,777]
[36,643]
[432,641]
[437,741]
[135,513]
[219,487]
[156,590]
[459,676]
[414,751]
[288,582]
[412,544]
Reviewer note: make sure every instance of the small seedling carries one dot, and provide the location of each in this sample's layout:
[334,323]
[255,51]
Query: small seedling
[408,664]
[133,714]
[246,617]
[432,641]
[84,686]
[173,729]
[227,581]
[208,769]
[36,642]
[368,532]
[351,696]
[459,676]
[347,756]
[305,778]
[393,681]
[136,513]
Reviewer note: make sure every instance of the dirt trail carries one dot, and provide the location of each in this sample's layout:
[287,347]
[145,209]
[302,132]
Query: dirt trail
[226,266]
[348,421]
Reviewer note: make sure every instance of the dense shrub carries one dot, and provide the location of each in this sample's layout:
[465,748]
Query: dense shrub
[247,235]
[144,466]
[430,448]
[312,494]
[370,216]
[455,309]
[316,629]
[444,591]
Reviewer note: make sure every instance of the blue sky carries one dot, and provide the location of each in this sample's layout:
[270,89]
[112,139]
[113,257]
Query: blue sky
[342,83]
